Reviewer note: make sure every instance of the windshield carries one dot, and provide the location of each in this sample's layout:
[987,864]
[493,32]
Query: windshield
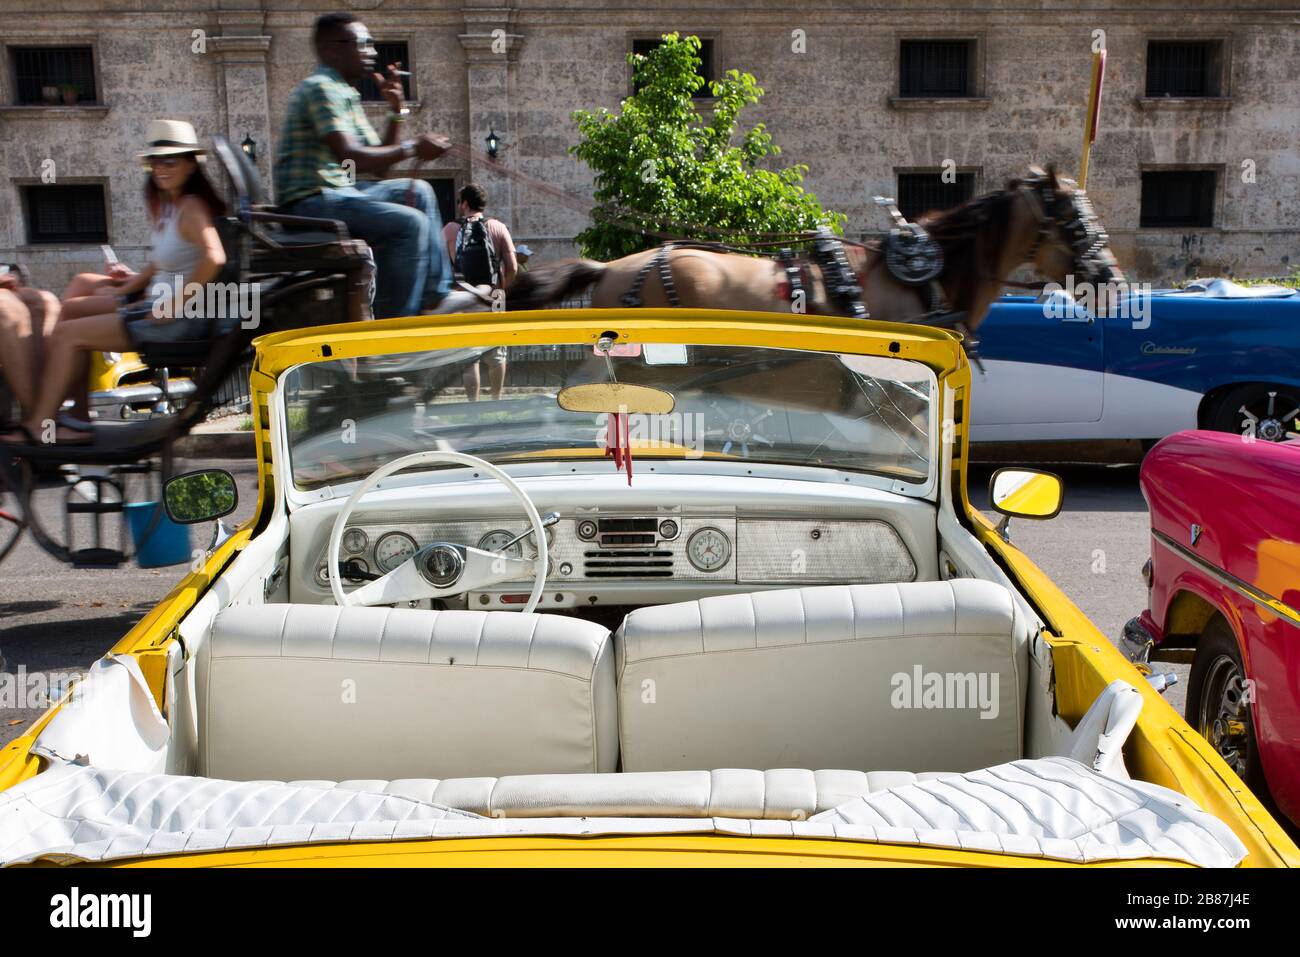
[731,403]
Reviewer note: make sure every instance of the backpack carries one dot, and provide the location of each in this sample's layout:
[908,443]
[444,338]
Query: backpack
[476,256]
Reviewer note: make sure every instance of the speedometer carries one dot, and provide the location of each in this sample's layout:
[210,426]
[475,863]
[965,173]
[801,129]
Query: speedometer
[708,549]
[393,549]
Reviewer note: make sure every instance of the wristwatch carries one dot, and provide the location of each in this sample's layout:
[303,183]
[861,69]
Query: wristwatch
[400,116]
[408,148]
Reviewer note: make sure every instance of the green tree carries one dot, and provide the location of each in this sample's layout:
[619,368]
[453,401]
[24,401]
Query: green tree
[662,159]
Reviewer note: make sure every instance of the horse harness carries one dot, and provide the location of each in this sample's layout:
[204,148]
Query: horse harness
[914,259]
[837,276]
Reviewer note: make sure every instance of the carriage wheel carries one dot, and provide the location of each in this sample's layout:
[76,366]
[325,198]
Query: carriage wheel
[12,522]
[89,490]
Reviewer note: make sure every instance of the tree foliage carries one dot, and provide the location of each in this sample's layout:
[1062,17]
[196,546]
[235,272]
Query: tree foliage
[673,161]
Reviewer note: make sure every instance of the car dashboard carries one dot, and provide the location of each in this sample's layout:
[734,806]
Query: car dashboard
[618,554]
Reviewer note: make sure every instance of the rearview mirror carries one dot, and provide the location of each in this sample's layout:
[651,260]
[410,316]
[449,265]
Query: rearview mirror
[200,496]
[1026,493]
[611,397]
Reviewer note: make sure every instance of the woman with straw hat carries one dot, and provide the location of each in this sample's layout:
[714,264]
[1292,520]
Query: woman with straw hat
[125,311]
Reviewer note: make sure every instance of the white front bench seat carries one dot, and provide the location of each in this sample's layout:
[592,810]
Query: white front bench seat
[841,676]
[316,691]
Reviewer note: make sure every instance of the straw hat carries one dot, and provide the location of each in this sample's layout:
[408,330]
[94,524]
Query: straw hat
[172,138]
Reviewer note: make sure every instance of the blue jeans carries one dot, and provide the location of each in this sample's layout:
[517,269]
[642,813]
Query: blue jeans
[411,264]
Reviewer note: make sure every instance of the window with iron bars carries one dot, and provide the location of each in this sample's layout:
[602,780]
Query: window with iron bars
[397,51]
[1178,198]
[66,213]
[920,193]
[1185,68]
[43,74]
[936,68]
[644,47]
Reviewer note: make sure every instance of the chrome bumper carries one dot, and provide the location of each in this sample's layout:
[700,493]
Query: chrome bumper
[1136,642]
[137,401]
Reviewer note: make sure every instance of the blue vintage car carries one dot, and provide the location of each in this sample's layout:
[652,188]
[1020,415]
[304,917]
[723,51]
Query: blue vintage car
[1214,356]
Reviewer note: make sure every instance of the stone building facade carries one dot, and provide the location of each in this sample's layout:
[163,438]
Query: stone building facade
[837,100]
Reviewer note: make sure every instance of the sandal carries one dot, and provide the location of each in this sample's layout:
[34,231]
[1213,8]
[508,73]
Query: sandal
[25,437]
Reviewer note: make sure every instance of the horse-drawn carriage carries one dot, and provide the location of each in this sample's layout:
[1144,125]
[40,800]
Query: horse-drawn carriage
[295,271]
[310,272]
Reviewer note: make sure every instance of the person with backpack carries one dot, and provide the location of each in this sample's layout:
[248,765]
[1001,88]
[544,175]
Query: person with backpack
[482,254]
[481,249]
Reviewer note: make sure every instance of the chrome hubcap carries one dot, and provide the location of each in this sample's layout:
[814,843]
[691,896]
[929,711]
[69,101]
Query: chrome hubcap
[1224,717]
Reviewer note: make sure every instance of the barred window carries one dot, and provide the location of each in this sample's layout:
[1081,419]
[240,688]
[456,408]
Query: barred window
[920,193]
[66,213]
[1178,198]
[937,68]
[1185,68]
[644,48]
[398,52]
[42,74]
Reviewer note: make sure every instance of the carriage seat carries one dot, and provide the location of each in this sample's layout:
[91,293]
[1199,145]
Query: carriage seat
[917,676]
[317,691]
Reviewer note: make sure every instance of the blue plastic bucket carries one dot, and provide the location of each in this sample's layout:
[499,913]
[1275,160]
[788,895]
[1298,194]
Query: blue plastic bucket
[167,544]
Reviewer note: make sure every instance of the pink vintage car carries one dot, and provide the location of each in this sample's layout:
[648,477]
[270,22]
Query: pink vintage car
[1224,593]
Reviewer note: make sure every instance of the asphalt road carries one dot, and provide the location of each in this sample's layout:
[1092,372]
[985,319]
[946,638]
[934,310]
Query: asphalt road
[1094,550]
[57,620]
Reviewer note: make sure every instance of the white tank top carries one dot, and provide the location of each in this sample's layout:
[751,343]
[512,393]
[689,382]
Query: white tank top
[172,255]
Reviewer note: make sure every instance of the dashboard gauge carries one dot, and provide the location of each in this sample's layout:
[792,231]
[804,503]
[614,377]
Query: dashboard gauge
[708,549]
[495,541]
[355,541]
[392,549]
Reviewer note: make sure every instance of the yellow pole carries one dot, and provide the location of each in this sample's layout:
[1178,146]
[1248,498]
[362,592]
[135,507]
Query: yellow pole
[1090,121]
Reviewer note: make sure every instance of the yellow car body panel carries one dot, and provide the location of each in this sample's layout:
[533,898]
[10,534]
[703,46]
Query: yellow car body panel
[1163,749]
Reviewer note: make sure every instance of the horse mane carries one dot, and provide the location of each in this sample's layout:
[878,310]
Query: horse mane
[972,237]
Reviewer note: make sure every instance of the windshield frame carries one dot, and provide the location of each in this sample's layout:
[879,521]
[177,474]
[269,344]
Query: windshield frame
[279,354]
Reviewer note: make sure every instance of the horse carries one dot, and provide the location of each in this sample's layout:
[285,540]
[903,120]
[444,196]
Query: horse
[1042,219]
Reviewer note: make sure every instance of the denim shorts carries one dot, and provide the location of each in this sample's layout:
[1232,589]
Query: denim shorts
[143,329]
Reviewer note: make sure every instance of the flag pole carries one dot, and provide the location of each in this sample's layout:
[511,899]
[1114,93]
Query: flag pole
[1094,112]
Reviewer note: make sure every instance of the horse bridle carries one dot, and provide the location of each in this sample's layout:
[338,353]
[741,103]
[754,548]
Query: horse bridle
[1083,240]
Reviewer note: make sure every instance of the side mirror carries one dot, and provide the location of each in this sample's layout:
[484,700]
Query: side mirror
[200,496]
[1026,493]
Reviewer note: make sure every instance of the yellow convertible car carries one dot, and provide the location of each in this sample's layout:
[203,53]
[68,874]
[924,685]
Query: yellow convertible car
[598,587]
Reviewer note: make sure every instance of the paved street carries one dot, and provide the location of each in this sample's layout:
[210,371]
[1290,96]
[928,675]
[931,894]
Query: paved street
[1093,550]
[56,619]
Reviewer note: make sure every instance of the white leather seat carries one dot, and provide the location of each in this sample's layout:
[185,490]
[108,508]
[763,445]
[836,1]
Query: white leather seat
[842,676]
[298,691]
[789,794]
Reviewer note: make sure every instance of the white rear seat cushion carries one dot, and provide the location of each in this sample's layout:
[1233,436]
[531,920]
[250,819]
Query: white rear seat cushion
[787,794]
[298,691]
[825,678]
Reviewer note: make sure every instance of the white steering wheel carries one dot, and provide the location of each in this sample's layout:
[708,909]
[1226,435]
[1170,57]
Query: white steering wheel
[440,568]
